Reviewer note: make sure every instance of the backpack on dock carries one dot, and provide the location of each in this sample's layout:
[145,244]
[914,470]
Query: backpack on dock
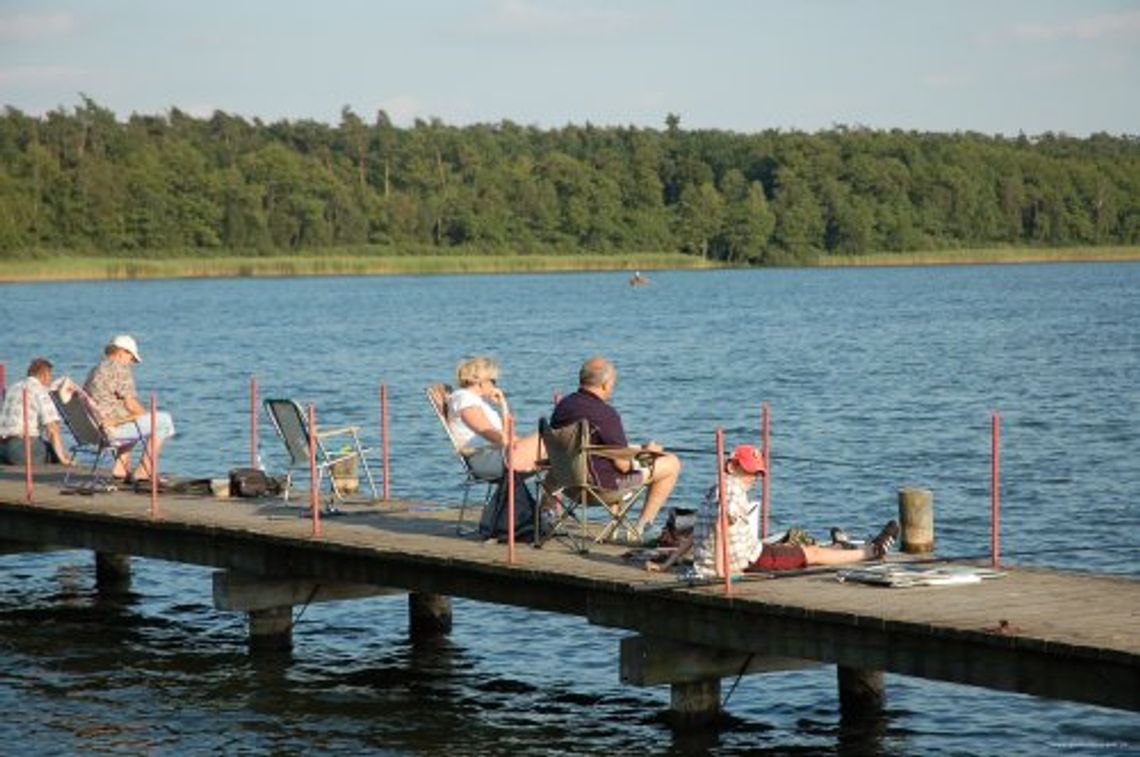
[493,524]
[251,483]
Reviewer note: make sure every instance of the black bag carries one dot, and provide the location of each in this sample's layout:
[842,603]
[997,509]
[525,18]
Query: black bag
[493,524]
[251,482]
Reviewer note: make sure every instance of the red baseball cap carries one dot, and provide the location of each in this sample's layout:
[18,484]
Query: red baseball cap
[750,460]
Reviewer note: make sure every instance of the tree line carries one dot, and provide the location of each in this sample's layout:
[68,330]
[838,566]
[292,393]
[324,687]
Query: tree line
[84,181]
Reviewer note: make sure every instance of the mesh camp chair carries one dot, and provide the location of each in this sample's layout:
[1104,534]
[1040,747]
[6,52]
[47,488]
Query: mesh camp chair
[293,429]
[437,395]
[90,437]
[570,478]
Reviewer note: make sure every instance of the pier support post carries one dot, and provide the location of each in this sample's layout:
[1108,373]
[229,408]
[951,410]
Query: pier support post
[916,519]
[271,630]
[694,703]
[429,615]
[861,692]
[112,573]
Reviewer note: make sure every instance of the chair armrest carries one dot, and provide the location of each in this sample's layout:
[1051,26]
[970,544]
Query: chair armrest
[623,453]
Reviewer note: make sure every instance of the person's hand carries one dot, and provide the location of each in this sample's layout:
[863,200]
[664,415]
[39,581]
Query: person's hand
[652,446]
[496,395]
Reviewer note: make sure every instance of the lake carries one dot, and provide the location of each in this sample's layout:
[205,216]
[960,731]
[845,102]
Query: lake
[876,379]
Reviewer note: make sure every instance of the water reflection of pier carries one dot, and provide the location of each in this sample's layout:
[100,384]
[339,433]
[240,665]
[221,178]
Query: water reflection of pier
[1047,633]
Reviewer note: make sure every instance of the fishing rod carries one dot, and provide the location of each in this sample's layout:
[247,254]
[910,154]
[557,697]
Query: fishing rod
[775,456]
[687,583]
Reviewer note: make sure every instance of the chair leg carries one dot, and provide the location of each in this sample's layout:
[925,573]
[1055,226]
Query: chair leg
[463,508]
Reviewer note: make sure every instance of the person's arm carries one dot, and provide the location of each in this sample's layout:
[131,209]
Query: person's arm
[478,422]
[57,443]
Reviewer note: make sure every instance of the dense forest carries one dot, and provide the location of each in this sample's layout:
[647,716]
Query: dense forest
[84,181]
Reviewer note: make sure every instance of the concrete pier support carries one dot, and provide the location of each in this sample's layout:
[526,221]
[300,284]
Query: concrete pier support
[429,615]
[271,630]
[112,573]
[861,692]
[694,703]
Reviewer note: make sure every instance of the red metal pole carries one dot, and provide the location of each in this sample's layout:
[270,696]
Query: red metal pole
[722,518]
[509,428]
[766,483]
[314,492]
[153,456]
[384,435]
[27,448]
[995,492]
[253,422]
[3,382]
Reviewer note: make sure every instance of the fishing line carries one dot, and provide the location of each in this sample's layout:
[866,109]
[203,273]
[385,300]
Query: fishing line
[739,675]
[312,595]
[775,456]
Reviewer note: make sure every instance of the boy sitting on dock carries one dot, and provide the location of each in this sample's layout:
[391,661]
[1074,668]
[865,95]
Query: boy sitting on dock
[746,553]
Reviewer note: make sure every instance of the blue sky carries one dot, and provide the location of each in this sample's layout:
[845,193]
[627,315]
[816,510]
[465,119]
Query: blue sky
[994,66]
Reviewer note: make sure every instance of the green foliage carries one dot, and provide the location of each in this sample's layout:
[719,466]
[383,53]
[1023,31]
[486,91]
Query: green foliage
[82,181]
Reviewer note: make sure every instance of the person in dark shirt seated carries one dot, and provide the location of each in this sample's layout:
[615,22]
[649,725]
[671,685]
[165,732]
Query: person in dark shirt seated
[596,381]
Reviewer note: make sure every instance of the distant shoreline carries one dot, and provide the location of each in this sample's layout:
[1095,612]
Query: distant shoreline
[85,268]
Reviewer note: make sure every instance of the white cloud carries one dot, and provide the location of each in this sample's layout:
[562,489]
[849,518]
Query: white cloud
[39,74]
[527,18]
[24,27]
[1091,28]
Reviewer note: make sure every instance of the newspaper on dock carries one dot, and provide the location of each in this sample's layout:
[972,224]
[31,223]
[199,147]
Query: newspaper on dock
[905,576]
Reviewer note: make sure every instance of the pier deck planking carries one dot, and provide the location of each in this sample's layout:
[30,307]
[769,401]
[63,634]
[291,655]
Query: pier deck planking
[1068,635]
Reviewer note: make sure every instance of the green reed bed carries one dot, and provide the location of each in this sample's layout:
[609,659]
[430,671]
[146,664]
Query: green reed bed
[82,267]
[983,256]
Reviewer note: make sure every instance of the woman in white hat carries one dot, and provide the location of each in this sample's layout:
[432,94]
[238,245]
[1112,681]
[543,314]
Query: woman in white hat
[112,385]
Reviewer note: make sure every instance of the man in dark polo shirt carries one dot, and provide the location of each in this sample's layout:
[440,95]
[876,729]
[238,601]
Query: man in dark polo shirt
[596,381]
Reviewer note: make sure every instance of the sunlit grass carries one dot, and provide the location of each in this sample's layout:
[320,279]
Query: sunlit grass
[47,266]
[71,267]
[975,257]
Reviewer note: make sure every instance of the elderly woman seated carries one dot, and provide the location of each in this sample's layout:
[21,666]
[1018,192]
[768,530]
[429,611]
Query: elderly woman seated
[476,423]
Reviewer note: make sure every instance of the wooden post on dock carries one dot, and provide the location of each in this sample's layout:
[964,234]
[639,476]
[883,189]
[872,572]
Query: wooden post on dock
[916,519]
[694,703]
[861,692]
[429,615]
[112,573]
[271,630]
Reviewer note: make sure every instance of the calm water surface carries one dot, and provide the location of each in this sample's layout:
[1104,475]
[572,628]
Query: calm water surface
[876,379]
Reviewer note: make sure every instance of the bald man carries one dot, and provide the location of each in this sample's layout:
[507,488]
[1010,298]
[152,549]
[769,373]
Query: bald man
[596,381]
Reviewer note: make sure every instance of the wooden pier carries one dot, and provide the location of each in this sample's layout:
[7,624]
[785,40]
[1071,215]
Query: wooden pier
[1042,632]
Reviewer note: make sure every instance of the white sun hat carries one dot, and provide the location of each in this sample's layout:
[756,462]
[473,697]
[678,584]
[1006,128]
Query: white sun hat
[127,342]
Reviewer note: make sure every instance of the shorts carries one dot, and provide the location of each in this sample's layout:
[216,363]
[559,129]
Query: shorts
[12,451]
[779,557]
[164,428]
[487,463]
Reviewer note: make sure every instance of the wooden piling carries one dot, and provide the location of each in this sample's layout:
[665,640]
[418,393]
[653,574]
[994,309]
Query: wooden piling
[271,630]
[916,520]
[861,692]
[694,703]
[429,615]
[112,573]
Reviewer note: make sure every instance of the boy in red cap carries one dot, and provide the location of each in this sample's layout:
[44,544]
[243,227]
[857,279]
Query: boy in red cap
[745,550]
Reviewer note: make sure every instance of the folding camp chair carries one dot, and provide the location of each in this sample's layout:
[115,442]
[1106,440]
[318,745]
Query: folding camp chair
[570,477]
[293,429]
[91,439]
[437,395]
